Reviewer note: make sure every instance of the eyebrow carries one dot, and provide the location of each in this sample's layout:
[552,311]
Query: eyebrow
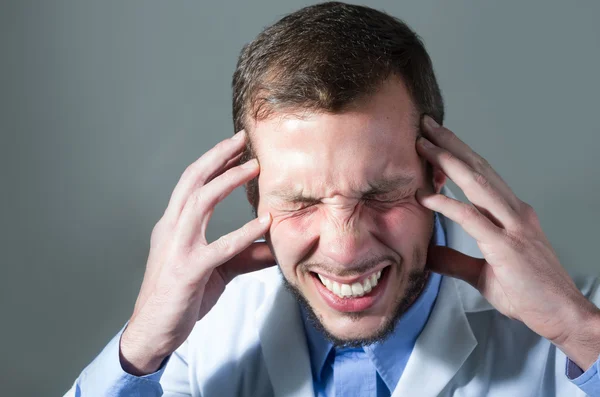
[375,188]
[389,185]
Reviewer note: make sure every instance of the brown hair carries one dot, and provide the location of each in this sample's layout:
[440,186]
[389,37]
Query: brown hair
[326,57]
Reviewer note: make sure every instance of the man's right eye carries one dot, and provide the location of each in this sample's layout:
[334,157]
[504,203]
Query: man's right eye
[297,207]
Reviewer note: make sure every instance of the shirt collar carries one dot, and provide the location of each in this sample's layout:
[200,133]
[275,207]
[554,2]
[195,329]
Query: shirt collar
[384,355]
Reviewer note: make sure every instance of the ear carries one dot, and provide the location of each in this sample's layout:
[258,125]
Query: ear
[439,178]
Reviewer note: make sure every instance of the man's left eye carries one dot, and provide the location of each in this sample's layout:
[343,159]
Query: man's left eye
[380,201]
[385,200]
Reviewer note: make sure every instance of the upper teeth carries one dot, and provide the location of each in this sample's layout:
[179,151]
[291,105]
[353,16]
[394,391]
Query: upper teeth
[351,290]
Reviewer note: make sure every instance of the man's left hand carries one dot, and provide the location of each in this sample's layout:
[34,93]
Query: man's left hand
[520,274]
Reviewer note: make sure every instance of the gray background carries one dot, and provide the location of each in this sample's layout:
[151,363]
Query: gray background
[103,104]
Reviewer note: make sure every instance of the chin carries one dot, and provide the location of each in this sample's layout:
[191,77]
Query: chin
[364,327]
[354,330]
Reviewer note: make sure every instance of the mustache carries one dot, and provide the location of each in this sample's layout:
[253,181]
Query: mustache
[357,269]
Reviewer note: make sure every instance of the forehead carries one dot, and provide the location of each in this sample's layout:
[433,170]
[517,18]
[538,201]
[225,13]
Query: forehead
[324,154]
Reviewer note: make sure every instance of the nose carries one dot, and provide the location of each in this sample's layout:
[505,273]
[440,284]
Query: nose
[344,236]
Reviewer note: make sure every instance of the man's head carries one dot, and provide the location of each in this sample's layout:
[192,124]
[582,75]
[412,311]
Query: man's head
[331,97]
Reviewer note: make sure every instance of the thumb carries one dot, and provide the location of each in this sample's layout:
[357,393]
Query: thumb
[453,263]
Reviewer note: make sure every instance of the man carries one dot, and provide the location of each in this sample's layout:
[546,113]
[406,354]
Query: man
[344,159]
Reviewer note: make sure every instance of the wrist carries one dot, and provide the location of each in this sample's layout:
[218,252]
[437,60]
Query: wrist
[136,360]
[581,343]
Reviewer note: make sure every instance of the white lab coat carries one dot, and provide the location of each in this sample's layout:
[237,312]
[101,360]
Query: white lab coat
[252,344]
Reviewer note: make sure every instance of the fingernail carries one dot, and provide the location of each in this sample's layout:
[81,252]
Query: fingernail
[430,122]
[250,164]
[265,218]
[238,135]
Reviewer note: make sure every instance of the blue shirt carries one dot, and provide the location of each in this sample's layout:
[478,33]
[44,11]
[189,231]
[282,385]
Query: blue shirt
[379,365]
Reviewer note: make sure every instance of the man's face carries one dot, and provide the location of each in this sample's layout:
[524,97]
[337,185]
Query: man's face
[341,191]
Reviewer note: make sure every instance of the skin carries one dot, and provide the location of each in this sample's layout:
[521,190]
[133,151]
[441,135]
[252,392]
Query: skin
[316,172]
[520,274]
[334,159]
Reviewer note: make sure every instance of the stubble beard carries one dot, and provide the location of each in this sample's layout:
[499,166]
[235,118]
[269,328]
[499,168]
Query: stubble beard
[417,279]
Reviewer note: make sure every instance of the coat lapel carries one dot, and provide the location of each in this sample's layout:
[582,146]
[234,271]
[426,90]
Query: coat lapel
[441,349]
[447,339]
[283,344]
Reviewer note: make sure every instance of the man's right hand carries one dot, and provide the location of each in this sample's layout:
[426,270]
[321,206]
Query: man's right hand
[185,276]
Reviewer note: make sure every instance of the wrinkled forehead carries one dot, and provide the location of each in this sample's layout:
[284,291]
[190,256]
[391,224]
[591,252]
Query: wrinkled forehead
[328,154]
[387,116]
[344,151]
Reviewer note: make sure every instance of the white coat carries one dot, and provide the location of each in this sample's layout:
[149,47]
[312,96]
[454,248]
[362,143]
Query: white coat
[252,344]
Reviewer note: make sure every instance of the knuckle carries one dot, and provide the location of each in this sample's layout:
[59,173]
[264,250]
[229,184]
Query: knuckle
[526,208]
[516,242]
[220,148]
[447,156]
[528,213]
[161,229]
[156,233]
[197,199]
[245,231]
[467,212]
[157,229]
[222,145]
[449,137]
[480,180]
[194,173]
[480,163]
[190,170]
[446,134]
[224,244]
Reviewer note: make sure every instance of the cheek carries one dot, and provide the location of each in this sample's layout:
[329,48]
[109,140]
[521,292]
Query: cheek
[292,237]
[403,227]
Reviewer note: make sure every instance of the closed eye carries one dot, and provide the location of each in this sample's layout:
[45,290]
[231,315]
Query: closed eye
[379,201]
[385,199]
[299,205]
[297,208]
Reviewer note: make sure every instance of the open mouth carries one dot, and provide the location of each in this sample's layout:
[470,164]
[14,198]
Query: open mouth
[358,296]
[355,290]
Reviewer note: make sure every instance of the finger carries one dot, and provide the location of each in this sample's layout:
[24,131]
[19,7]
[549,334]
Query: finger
[233,162]
[201,170]
[445,138]
[257,256]
[467,216]
[200,204]
[231,244]
[445,260]
[476,187]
